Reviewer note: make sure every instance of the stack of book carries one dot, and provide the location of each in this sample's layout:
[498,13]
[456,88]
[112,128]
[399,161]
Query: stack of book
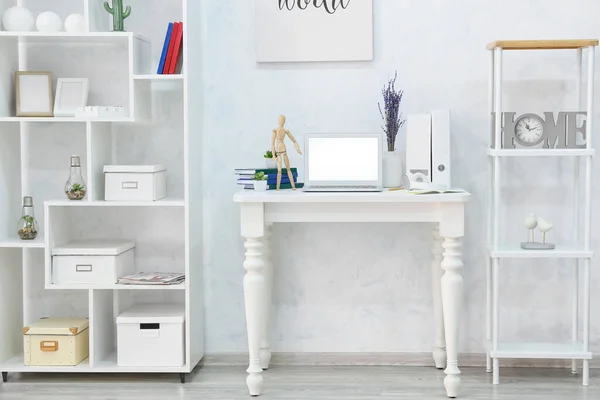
[245,178]
[170,59]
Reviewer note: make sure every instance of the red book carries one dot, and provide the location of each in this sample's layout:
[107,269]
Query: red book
[177,49]
[176,28]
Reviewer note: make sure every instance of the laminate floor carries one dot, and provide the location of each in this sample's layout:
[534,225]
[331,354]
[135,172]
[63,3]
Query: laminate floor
[311,382]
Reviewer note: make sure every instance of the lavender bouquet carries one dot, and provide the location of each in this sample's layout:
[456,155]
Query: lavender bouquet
[392,117]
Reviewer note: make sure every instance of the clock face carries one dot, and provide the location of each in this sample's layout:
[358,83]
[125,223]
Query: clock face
[529,130]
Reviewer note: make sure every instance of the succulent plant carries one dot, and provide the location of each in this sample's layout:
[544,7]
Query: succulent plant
[260,176]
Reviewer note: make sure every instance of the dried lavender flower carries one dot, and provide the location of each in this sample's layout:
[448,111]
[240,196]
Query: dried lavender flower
[392,117]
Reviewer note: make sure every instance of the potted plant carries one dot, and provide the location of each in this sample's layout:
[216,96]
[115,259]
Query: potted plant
[270,161]
[260,182]
[392,122]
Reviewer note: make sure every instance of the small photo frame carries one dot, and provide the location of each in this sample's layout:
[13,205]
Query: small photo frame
[34,97]
[71,93]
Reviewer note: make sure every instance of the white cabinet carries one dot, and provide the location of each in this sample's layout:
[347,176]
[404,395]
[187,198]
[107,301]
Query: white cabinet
[161,127]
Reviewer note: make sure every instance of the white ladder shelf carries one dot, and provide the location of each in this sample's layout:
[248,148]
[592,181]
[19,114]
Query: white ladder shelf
[578,348]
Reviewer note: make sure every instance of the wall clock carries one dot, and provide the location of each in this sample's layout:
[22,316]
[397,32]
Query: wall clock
[529,130]
[532,130]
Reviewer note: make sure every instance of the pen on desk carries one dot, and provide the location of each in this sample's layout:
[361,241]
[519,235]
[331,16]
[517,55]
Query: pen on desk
[395,189]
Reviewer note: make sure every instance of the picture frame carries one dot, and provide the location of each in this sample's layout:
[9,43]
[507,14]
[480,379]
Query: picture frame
[71,93]
[33,94]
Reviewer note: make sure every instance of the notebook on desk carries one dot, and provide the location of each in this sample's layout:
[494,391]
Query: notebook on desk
[343,162]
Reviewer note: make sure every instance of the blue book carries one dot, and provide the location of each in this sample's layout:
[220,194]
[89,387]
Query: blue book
[284,179]
[163,57]
[272,180]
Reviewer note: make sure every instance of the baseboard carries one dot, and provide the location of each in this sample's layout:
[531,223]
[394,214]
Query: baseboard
[384,359]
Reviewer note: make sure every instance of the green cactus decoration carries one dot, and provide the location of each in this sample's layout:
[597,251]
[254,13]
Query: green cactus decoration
[118,14]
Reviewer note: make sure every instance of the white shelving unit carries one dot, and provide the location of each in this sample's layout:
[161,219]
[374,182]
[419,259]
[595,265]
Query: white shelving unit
[160,128]
[578,253]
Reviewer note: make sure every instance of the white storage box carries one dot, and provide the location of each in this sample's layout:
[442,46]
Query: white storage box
[135,182]
[92,261]
[56,341]
[151,335]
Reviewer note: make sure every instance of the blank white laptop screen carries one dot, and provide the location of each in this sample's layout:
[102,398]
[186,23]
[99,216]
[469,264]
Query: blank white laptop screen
[343,159]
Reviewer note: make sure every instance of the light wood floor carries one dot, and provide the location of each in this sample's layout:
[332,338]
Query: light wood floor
[313,383]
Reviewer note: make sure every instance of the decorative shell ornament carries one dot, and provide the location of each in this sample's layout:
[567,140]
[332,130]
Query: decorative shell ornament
[75,23]
[48,22]
[18,19]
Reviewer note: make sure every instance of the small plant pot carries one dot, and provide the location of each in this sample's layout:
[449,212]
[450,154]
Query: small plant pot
[271,162]
[260,186]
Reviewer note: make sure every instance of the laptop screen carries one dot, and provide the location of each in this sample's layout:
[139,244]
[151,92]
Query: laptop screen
[343,159]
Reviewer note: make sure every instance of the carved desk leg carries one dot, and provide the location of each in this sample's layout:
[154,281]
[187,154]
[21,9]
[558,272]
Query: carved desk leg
[452,293]
[254,283]
[265,348]
[439,351]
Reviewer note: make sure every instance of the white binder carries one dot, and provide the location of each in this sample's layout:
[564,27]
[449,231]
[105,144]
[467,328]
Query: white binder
[440,149]
[418,146]
[428,151]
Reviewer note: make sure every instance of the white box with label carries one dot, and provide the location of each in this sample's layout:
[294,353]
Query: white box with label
[135,182]
[92,262]
[151,335]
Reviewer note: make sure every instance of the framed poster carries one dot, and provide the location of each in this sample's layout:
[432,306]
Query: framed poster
[314,30]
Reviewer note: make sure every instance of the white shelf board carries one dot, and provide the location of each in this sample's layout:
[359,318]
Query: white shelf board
[17,243]
[117,287]
[83,203]
[158,77]
[88,38]
[64,119]
[540,152]
[558,252]
[16,364]
[109,365]
[541,350]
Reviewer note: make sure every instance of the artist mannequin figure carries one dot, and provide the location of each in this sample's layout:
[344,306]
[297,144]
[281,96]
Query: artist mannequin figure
[281,153]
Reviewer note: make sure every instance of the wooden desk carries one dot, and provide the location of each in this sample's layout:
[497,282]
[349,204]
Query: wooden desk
[259,210]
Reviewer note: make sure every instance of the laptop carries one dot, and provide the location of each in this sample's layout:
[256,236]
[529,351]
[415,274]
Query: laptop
[343,162]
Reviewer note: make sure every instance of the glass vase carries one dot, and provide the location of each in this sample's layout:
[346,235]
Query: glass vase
[27,228]
[75,188]
[392,170]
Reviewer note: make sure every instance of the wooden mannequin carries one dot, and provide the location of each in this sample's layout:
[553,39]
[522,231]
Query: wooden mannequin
[279,136]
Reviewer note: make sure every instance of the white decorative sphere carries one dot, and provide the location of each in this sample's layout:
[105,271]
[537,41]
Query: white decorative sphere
[75,23]
[18,19]
[48,22]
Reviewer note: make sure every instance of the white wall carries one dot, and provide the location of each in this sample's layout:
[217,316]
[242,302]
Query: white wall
[356,287]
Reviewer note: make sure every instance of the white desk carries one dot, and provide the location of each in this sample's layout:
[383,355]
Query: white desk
[259,210]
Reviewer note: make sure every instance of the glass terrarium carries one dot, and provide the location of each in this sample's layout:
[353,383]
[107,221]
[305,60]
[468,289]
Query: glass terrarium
[75,188]
[27,226]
